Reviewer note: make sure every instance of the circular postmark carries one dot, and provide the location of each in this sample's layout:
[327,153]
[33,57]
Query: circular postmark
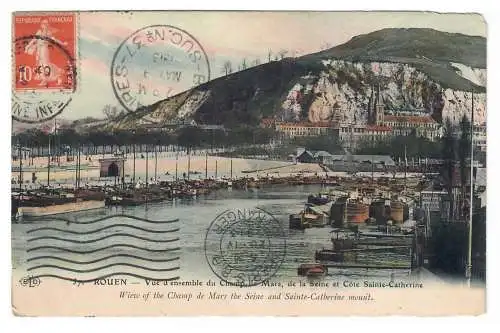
[155,63]
[245,247]
[44,79]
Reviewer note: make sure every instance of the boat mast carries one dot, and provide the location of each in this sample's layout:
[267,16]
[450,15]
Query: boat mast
[147,158]
[133,172]
[124,159]
[78,168]
[176,164]
[156,162]
[468,270]
[406,167]
[189,162]
[206,165]
[231,166]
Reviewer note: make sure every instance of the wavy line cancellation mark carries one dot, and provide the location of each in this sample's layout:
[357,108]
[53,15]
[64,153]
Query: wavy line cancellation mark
[170,269]
[102,259]
[102,229]
[62,219]
[48,247]
[103,238]
[85,265]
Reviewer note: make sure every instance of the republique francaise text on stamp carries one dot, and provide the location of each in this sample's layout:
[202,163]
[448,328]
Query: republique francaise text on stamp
[44,72]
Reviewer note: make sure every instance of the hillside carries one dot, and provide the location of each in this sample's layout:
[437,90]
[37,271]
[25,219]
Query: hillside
[408,44]
[414,69]
[428,50]
[240,98]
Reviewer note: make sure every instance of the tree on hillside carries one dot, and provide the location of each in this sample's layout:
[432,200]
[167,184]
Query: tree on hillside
[227,67]
[110,111]
[282,53]
[244,64]
[269,55]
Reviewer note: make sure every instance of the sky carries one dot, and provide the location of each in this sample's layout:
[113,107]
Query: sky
[222,36]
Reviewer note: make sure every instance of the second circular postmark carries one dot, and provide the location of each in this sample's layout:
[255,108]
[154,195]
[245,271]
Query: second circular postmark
[155,63]
[245,247]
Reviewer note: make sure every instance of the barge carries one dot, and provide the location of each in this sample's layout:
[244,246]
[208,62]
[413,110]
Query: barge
[60,208]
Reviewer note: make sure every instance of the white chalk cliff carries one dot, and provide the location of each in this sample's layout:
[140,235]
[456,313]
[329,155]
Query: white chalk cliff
[351,87]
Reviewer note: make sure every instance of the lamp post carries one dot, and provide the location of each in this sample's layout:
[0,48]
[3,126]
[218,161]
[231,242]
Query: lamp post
[20,166]
[133,152]
[231,171]
[147,159]
[176,165]
[189,162]
[156,161]
[206,165]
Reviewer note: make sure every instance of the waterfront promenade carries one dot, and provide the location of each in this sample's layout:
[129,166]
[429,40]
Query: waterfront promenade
[165,166]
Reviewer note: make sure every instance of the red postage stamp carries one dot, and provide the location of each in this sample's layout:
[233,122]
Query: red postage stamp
[45,49]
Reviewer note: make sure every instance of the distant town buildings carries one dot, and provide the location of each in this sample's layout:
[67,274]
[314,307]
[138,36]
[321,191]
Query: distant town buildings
[422,126]
[380,126]
[404,123]
[347,162]
[351,135]
[302,129]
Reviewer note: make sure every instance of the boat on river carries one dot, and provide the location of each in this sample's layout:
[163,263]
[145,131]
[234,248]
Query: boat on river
[310,217]
[60,208]
[312,270]
[318,199]
[51,202]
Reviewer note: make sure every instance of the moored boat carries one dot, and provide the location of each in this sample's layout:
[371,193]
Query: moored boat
[314,216]
[319,199]
[310,217]
[60,208]
[312,270]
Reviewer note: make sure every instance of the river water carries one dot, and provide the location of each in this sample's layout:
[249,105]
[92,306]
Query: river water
[43,248]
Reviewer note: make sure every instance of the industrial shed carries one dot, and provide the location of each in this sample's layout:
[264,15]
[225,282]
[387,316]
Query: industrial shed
[347,162]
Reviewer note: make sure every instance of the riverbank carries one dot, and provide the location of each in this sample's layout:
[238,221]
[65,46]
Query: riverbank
[167,167]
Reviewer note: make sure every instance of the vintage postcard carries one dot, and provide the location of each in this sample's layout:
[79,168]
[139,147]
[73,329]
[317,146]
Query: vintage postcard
[248,163]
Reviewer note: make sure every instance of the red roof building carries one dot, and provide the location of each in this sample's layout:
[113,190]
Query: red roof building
[409,121]
[423,126]
[306,128]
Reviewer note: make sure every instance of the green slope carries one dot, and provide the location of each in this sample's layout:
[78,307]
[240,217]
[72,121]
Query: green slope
[429,50]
